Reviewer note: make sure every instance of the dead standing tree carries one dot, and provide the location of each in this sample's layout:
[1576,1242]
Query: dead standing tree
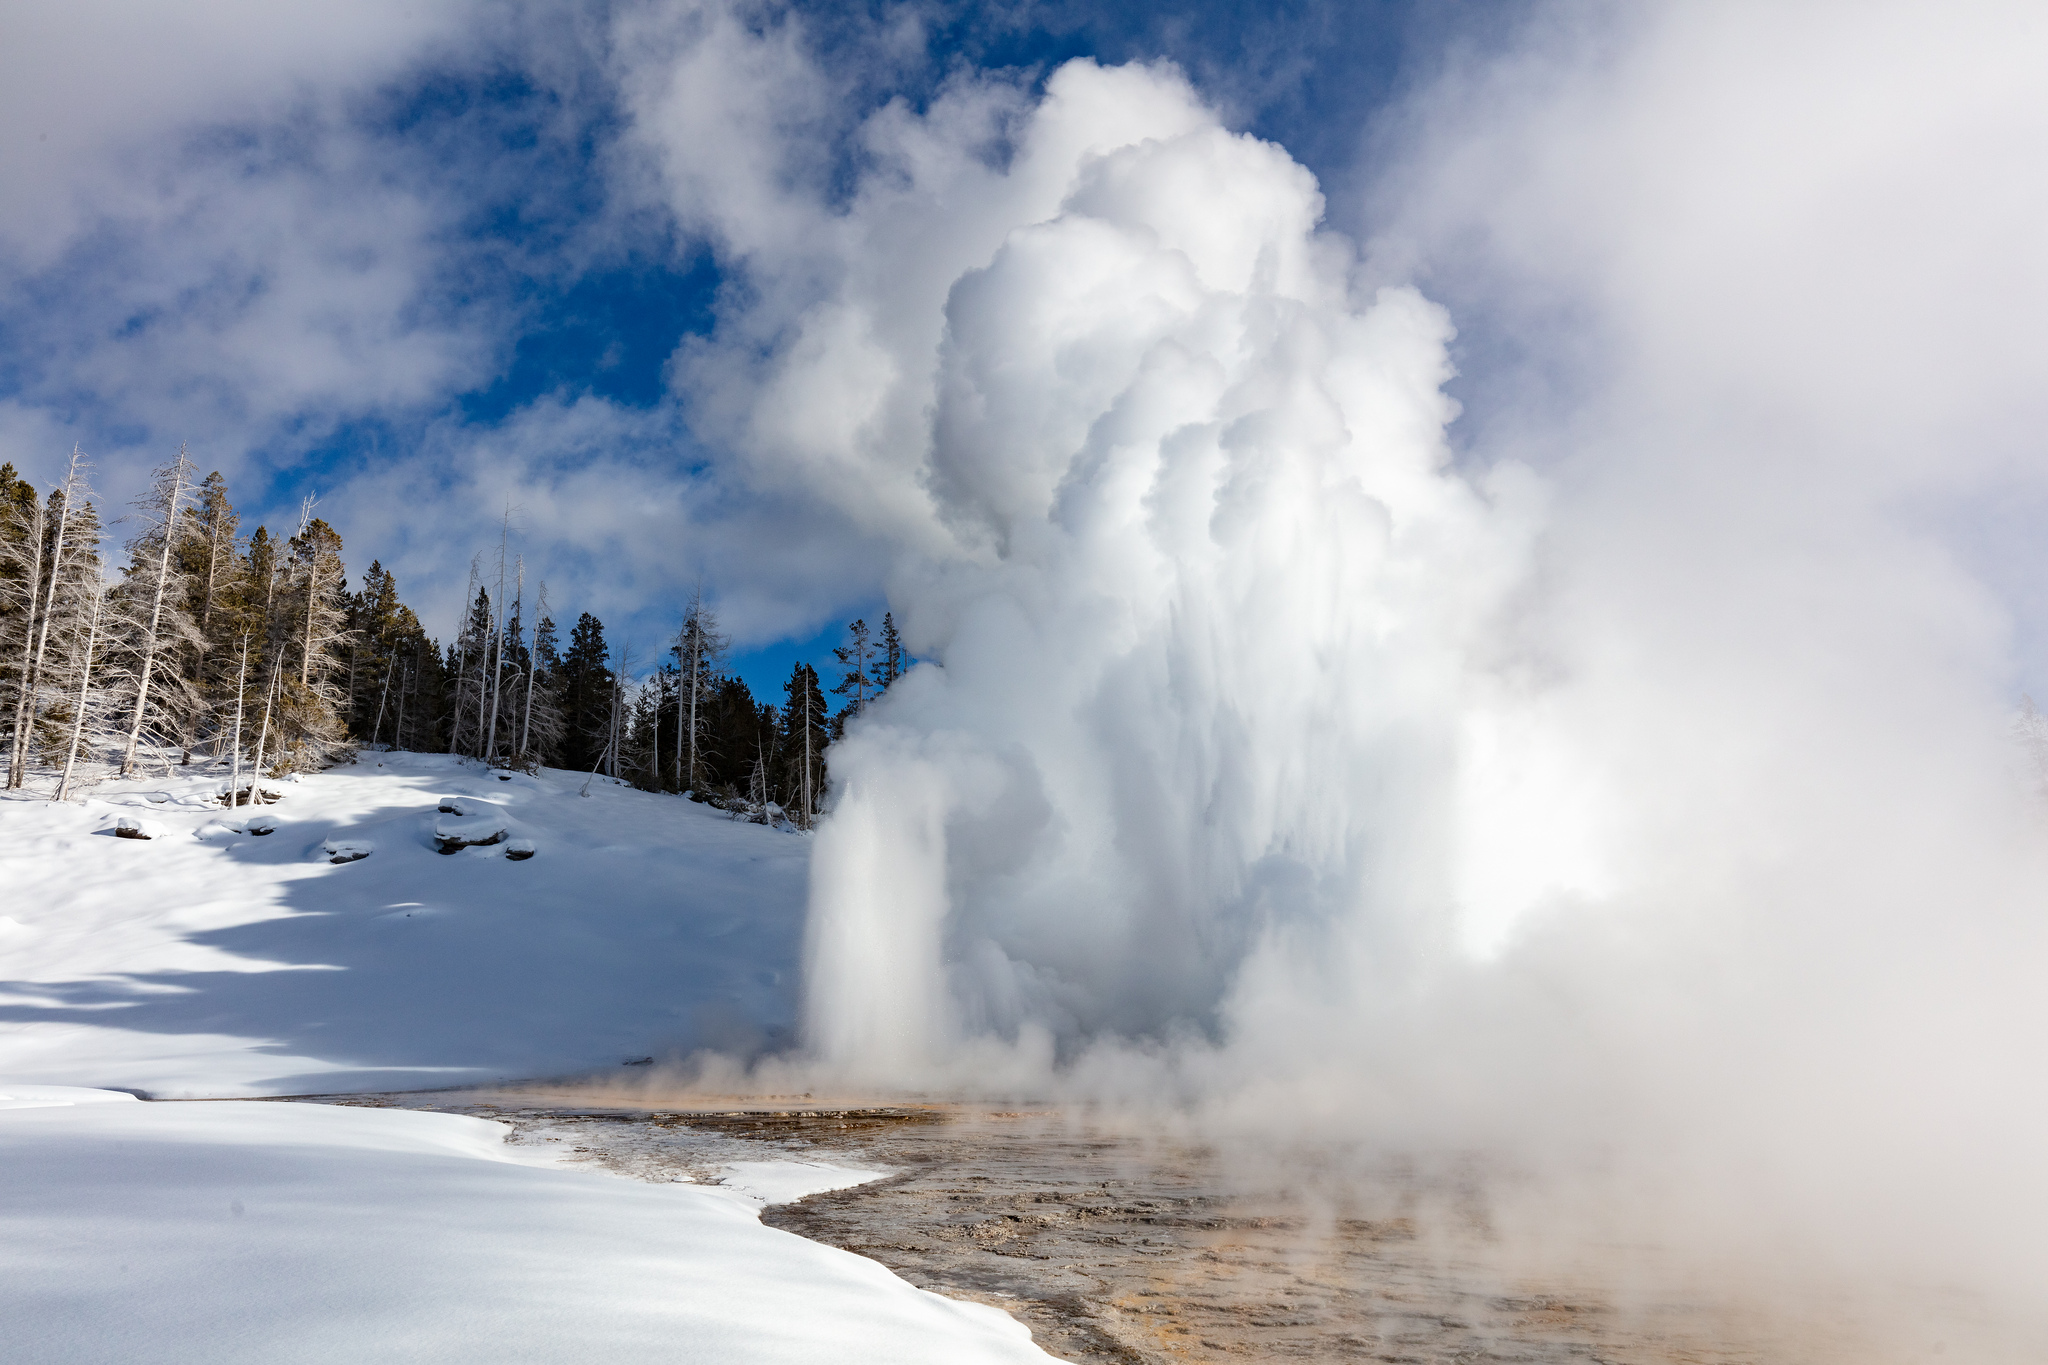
[151,620]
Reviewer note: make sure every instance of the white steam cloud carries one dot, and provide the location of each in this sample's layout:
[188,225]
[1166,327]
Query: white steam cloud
[1632,792]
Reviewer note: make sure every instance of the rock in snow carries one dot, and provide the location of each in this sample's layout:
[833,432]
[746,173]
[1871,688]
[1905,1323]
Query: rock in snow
[128,827]
[519,850]
[454,833]
[346,850]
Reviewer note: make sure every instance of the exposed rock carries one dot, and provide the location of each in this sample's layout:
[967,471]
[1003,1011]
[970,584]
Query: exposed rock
[128,827]
[519,850]
[457,831]
[346,850]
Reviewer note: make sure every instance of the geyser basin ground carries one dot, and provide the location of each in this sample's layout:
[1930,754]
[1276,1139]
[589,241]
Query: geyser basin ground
[1118,1244]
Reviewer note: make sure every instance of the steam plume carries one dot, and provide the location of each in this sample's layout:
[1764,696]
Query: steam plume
[1632,793]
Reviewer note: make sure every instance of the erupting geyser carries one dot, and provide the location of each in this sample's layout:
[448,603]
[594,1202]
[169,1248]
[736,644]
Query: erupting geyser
[1643,811]
[1207,638]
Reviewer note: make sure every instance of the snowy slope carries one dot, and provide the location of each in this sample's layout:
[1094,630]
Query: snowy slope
[207,962]
[250,1232]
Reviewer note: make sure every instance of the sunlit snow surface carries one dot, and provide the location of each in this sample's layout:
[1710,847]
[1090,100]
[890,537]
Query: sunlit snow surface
[206,962]
[209,960]
[268,1232]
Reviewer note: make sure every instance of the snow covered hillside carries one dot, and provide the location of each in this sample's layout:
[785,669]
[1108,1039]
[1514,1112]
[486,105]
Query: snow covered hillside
[204,961]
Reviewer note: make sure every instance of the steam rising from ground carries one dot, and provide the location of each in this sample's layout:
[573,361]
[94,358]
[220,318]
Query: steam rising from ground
[1651,819]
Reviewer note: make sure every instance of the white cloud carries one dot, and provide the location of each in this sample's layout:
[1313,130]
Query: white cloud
[99,92]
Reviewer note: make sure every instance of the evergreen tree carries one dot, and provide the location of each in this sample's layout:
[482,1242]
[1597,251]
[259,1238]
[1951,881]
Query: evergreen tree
[469,664]
[387,640]
[586,696]
[541,725]
[209,556]
[856,660]
[314,636]
[698,648]
[892,660]
[254,611]
[803,739]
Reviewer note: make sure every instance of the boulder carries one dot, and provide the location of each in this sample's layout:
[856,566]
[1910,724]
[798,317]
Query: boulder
[453,833]
[519,850]
[128,827]
[346,850]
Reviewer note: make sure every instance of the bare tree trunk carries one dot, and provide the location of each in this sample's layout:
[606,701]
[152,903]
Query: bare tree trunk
[498,643]
[696,665]
[532,664]
[398,728]
[312,591]
[382,695]
[461,658]
[17,771]
[683,727]
[235,768]
[156,608]
[263,735]
[92,639]
[35,533]
[806,823]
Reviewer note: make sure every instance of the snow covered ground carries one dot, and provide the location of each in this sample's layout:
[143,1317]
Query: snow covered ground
[204,962]
[258,1232]
[343,951]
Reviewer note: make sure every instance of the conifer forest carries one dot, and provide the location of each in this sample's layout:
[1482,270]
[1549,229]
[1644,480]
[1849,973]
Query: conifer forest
[253,649]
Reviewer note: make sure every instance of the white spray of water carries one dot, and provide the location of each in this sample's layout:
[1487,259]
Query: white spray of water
[1205,679]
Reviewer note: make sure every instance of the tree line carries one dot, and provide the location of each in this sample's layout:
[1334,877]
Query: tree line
[251,651]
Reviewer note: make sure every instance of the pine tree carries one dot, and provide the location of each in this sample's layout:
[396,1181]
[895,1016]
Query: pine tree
[541,728]
[469,666]
[803,744]
[387,637]
[314,628]
[698,648]
[209,554]
[892,654]
[586,696]
[253,611]
[857,659]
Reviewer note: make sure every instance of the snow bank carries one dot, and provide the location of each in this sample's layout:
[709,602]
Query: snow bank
[57,1096]
[211,961]
[762,1183]
[246,1232]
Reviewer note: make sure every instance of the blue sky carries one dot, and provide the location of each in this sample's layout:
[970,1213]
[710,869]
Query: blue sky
[454,199]
[441,263]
